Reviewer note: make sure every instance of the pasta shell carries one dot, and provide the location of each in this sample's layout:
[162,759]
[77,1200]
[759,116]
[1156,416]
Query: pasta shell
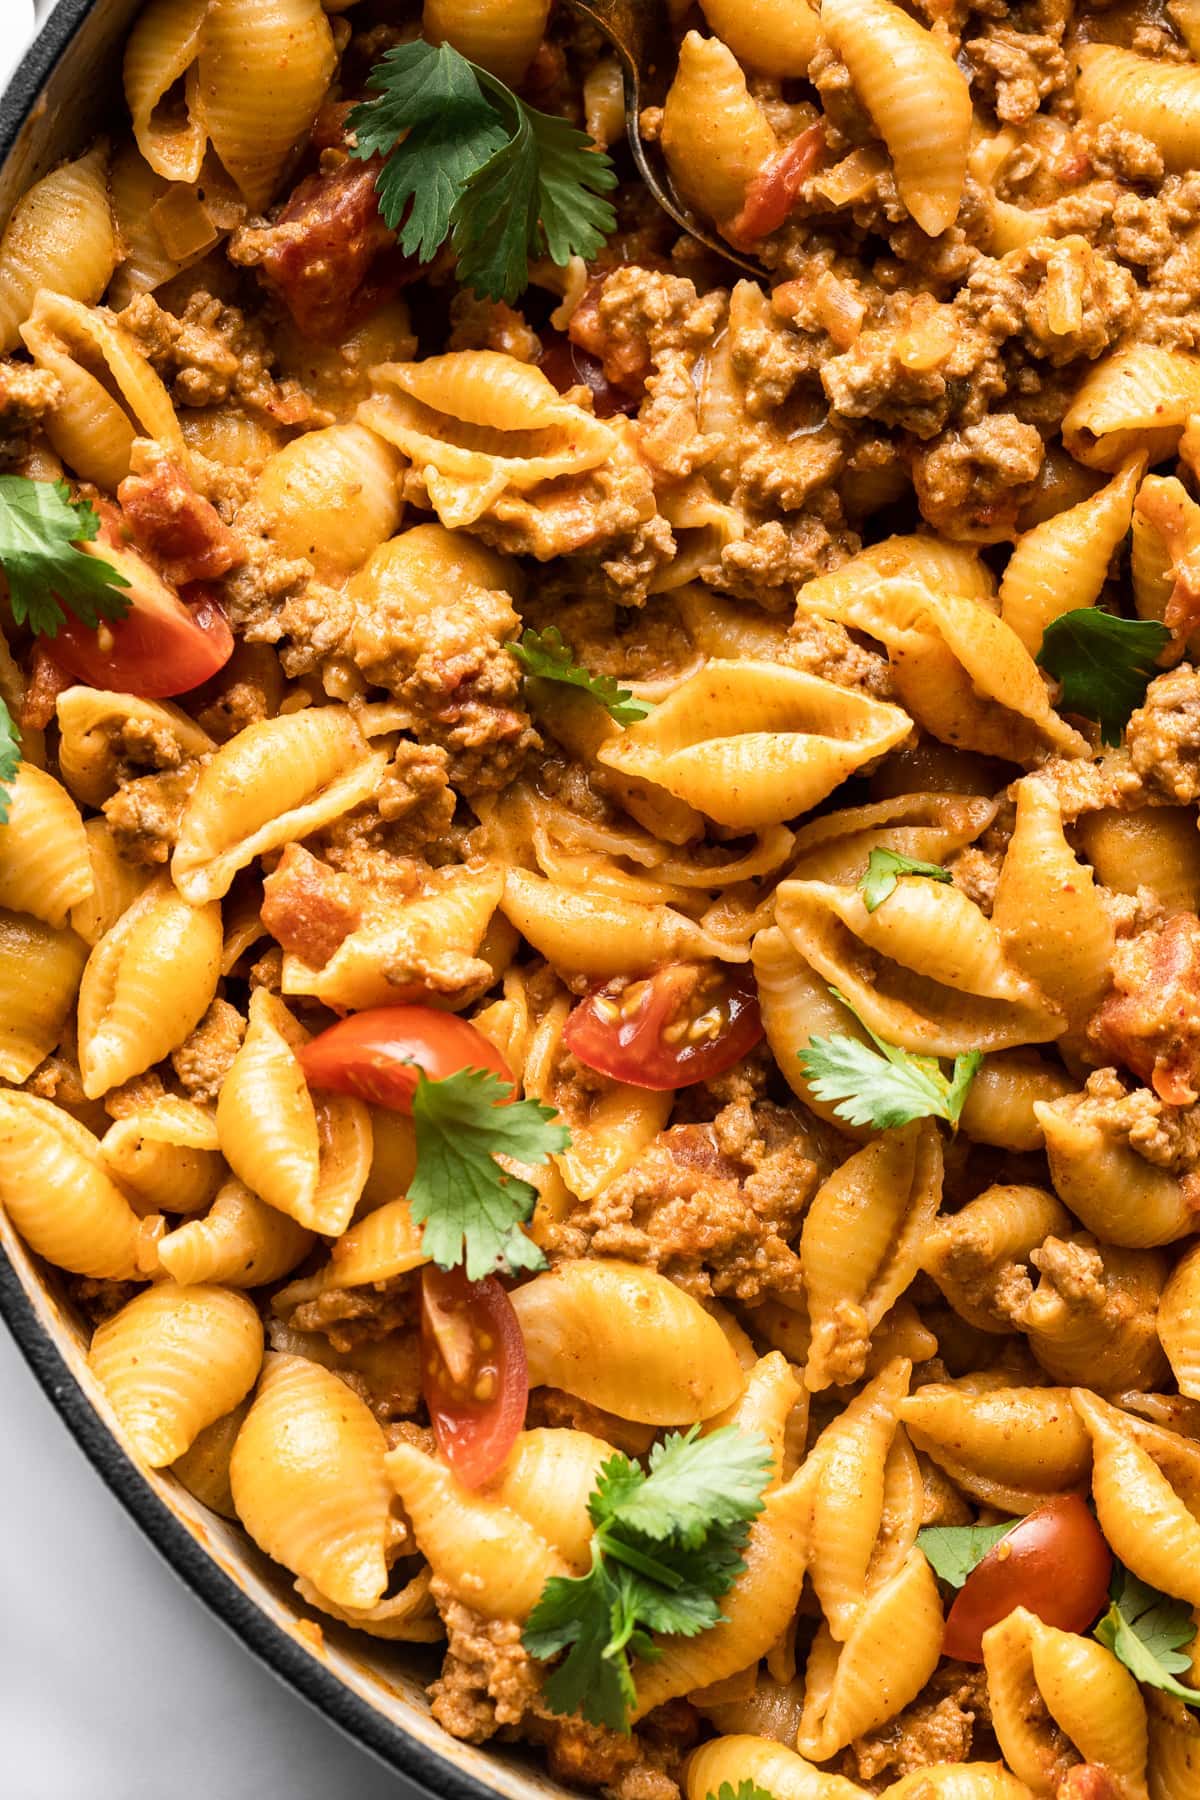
[917,97]
[308,1480]
[264,69]
[589,1327]
[733,1760]
[1036,1673]
[331,496]
[925,970]
[881,1203]
[1007,1446]
[547,1480]
[1146,1486]
[276,781]
[488,1556]
[306,1157]
[1062,564]
[45,868]
[93,725]
[162,50]
[111,395]
[603,938]
[39,978]
[175,1360]
[60,236]
[58,1194]
[165,1155]
[478,424]
[502,37]
[242,1242]
[752,744]
[147,984]
[891,1652]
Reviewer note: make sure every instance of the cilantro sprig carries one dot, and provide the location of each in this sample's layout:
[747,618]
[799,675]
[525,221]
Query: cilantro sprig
[952,1551]
[884,869]
[10,759]
[887,1089]
[471,1207]
[467,159]
[544,654]
[41,528]
[745,1790]
[667,1546]
[1105,664]
[1147,1630]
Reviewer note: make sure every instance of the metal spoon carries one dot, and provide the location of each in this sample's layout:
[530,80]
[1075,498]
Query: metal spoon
[638,33]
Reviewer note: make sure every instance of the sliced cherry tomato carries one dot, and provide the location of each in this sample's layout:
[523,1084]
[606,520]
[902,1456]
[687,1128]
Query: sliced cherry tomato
[473,1370]
[685,1023]
[162,646]
[1054,1563]
[377,1054]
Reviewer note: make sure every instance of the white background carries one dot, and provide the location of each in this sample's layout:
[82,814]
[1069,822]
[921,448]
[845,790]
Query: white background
[115,1683]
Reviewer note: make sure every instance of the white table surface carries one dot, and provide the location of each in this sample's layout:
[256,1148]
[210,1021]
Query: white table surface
[115,1683]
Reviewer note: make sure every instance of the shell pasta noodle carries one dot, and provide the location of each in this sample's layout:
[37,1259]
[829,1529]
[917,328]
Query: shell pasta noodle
[600,865]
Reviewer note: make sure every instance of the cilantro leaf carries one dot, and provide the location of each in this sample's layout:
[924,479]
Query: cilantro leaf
[1105,664]
[10,760]
[667,1546]
[746,1790]
[694,1484]
[466,158]
[431,94]
[472,1209]
[543,654]
[1147,1630]
[884,868]
[584,1616]
[885,1089]
[40,527]
[954,1550]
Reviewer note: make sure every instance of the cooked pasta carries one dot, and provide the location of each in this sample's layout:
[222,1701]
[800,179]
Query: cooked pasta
[600,877]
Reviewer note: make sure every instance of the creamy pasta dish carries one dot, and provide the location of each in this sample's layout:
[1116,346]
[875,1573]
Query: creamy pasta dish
[599,861]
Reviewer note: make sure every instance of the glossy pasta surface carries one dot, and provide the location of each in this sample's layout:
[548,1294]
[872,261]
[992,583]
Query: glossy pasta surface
[659,644]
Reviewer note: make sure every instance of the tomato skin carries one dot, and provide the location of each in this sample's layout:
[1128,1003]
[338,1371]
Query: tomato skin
[377,1054]
[167,643]
[569,365]
[1055,1563]
[630,1047]
[475,1321]
[775,189]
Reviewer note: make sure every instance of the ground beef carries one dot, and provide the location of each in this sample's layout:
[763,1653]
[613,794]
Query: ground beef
[938,1727]
[711,1206]
[923,367]
[972,483]
[26,396]
[488,1679]
[144,814]
[203,1060]
[350,1317]
[1014,71]
[212,353]
[1163,735]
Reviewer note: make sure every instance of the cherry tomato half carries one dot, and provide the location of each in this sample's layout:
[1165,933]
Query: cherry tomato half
[162,646]
[685,1023]
[1054,1563]
[377,1054]
[473,1370]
